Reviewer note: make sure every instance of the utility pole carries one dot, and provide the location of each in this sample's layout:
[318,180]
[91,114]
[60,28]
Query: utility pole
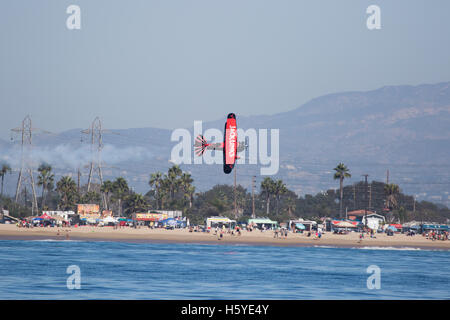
[354,197]
[253,196]
[414,204]
[26,171]
[370,196]
[365,197]
[387,176]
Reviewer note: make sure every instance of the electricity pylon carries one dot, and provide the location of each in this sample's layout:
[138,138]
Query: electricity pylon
[95,131]
[96,139]
[26,171]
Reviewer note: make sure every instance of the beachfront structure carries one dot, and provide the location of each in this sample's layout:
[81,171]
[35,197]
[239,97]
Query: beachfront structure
[149,218]
[308,225]
[152,217]
[261,223]
[6,218]
[435,227]
[358,215]
[170,213]
[219,222]
[332,225]
[374,221]
[89,213]
[66,215]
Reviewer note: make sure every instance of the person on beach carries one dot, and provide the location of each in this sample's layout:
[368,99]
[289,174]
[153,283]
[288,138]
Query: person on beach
[361,236]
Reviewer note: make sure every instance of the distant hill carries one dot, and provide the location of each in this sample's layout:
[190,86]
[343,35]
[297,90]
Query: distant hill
[405,129]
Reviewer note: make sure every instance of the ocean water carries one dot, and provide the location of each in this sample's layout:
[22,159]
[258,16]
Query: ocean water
[120,270]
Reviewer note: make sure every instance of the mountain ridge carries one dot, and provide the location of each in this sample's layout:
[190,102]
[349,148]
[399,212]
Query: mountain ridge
[392,127]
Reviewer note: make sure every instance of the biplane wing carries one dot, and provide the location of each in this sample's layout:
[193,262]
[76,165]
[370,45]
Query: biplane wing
[230,146]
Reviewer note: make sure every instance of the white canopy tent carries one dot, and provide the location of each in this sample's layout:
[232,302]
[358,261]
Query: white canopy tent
[109,219]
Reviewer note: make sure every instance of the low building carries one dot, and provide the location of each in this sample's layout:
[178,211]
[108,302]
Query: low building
[153,217]
[89,213]
[6,218]
[66,215]
[170,213]
[147,217]
[374,221]
[358,215]
[332,225]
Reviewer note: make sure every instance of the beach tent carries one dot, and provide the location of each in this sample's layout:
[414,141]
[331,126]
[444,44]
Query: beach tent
[109,219]
[435,227]
[170,222]
[45,216]
[182,223]
[300,226]
[344,224]
[373,224]
[92,220]
[259,222]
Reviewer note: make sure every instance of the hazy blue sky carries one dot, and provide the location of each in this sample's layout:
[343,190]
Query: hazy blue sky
[166,63]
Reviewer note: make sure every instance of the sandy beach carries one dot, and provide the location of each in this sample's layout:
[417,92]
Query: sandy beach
[12,232]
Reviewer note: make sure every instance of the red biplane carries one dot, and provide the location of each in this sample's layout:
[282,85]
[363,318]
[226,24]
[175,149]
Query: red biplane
[230,146]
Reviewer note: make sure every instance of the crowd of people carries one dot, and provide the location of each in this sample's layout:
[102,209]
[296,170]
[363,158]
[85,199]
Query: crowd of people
[436,235]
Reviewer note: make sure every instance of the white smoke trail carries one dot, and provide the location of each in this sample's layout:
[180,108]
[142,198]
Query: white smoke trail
[67,157]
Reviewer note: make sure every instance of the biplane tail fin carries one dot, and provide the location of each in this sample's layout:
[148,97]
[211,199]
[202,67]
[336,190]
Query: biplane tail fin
[200,145]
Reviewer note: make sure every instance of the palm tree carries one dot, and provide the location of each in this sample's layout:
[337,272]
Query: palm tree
[156,182]
[172,179]
[67,189]
[279,188]
[106,188]
[91,197]
[163,192]
[291,205]
[186,183]
[391,191]
[135,203]
[267,188]
[45,180]
[190,195]
[341,173]
[5,169]
[120,190]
